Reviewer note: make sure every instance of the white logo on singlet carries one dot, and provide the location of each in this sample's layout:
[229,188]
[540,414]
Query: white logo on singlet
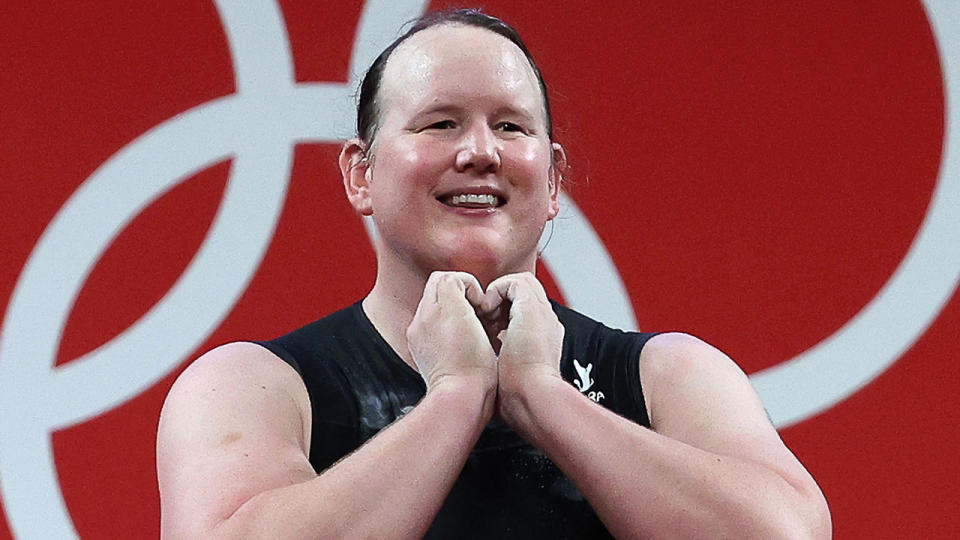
[584,382]
[257,127]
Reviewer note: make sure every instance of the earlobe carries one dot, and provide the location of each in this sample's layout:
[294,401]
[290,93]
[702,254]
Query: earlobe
[355,170]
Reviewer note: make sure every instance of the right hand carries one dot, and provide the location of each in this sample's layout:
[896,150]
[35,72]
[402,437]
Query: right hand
[446,339]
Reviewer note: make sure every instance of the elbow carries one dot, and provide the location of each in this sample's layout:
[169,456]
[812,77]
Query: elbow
[813,515]
[808,518]
[247,521]
[818,522]
[222,530]
[798,512]
[264,516]
[785,526]
[798,528]
[790,513]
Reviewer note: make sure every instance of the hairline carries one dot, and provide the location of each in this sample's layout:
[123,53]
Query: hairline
[378,97]
[383,59]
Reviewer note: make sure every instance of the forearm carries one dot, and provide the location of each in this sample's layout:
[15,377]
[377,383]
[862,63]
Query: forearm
[392,486]
[642,484]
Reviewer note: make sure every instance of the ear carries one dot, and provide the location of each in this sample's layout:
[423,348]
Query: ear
[557,167]
[355,169]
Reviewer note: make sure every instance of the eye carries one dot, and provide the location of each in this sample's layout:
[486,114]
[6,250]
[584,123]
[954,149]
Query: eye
[510,127]
[442,124]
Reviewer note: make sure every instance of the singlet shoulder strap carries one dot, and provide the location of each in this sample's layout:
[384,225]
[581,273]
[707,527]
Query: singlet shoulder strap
[333,409]
[604,363]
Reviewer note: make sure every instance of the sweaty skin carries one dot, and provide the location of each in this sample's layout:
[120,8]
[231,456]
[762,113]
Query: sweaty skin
[456,297]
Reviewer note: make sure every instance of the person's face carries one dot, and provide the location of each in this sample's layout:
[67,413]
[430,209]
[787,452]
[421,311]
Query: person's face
[460,174]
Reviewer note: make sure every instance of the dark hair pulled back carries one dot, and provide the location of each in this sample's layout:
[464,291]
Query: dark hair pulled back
[368,111]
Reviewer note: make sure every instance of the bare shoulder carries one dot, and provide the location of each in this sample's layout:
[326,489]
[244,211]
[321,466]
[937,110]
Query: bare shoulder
[692,388]
[676,355]
[228,380]
[698,395]
[235,423]
[239,363]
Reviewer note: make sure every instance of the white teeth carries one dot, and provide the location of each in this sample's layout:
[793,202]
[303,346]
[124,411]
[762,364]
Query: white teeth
[474,199]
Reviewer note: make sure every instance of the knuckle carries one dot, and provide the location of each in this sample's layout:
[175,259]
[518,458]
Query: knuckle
[414,329]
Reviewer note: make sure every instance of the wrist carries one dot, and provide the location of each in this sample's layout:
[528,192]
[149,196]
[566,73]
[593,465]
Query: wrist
[521,399]
[476,394]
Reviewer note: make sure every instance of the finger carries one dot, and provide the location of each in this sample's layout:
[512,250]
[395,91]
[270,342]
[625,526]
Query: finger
[451,291]
[431,292]
[428,301]
[472,288]
[499,313]
[505,292]
[534,286]
[527,288]
[494,295]
[504,288]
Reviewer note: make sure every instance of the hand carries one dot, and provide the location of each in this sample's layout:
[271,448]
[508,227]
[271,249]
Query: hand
[522,323]
[446,339]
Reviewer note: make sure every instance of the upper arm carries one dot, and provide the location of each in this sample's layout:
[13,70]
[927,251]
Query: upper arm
[236,423]
[697,395]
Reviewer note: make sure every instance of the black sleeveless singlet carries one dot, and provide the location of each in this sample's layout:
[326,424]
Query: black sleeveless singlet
[358,385]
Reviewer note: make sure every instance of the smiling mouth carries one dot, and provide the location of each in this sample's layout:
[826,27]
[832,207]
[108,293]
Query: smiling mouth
[473,200]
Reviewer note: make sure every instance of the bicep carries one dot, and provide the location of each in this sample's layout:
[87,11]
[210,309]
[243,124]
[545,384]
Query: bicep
[697,395]
[235,424]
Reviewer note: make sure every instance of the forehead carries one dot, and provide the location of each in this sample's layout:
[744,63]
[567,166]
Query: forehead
[455,62]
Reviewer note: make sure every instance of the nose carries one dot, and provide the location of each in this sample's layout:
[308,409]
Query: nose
[479,150]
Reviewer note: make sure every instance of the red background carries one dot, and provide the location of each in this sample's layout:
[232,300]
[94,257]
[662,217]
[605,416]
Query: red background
[757,170]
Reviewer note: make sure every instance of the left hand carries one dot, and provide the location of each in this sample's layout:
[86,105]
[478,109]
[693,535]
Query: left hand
[518,317]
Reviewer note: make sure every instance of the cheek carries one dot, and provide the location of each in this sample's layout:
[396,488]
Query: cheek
[410,159]
[411,155]
[397,155]
[533,164]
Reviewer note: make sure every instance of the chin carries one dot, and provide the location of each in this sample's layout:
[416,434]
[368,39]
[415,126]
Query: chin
[473,262]
[486,264]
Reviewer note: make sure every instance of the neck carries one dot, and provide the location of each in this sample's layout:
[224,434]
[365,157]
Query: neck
[390,306]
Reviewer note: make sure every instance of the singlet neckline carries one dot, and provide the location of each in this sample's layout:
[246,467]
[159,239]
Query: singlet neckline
[375,334]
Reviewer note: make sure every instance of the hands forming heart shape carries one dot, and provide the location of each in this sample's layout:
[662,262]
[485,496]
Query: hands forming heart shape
[507,332]
[492,307]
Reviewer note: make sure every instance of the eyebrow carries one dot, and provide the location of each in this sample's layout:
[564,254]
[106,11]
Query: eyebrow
[449,108]
[439,108]
[514,111]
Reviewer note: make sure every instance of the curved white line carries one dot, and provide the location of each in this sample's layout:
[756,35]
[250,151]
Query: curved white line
[584,271]
[37,398]
[268,116]
[257,36]
[910,300]
[195,305]
[41,302]
[380,23]
[84,227]
[260,125]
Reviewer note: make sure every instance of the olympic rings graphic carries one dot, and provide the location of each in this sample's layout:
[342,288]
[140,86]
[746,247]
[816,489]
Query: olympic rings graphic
[909,301]
[258,127]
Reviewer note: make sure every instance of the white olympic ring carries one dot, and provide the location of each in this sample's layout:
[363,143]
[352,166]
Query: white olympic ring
[909,301]
[258,127]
